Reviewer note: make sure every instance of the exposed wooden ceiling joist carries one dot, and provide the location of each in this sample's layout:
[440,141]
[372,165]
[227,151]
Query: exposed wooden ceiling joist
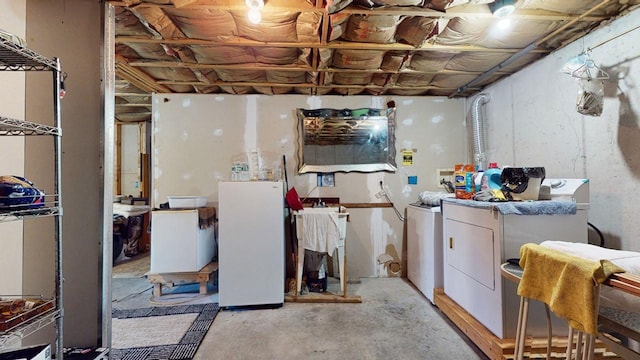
[209,46]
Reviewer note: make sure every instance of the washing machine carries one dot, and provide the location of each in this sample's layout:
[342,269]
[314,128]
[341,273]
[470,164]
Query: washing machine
[424,248]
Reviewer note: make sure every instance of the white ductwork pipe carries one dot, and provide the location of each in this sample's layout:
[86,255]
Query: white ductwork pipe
[477,123]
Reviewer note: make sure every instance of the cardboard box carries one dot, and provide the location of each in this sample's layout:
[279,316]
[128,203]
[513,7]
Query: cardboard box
[38,352]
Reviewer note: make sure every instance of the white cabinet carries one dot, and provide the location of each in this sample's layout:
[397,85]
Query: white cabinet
[178,243]
[424,248]
[14,57]
[477,240]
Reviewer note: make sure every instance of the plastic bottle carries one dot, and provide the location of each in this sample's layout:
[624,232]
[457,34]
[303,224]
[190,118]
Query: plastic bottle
[464,185]
[254,164]
[244,171]
[459,180]
[491,178]
[478,180]
[236,168]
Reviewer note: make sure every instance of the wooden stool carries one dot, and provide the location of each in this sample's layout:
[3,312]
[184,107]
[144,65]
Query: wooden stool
[203,277]
[585,343]
[514,273]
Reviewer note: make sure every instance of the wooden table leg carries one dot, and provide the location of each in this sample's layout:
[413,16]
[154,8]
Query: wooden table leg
[343,277]
[157,290]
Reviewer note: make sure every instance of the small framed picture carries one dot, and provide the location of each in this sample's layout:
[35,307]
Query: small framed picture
[326,180]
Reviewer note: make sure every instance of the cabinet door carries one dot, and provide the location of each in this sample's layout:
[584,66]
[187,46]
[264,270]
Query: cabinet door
[470,249]
[470,271]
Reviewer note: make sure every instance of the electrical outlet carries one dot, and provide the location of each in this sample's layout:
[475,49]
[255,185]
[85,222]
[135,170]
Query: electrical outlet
[446,174]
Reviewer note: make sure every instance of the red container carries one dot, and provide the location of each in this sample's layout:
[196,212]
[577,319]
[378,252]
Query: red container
[293,200]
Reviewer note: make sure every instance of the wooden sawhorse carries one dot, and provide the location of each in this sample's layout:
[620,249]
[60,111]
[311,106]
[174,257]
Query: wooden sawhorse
[202,277]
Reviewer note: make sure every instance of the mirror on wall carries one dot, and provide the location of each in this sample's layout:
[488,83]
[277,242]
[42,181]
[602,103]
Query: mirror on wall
[345,140]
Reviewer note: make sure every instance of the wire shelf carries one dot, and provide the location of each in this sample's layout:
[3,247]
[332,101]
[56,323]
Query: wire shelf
[14,57]
[9,126]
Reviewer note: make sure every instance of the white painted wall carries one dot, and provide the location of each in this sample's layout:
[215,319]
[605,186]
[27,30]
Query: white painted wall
[12,85]
[195,138]
[532,121]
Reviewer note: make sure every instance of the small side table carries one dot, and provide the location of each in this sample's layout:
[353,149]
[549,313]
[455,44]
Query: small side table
[514,273]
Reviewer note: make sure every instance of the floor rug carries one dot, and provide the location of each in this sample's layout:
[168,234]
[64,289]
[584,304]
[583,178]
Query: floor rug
[165,332]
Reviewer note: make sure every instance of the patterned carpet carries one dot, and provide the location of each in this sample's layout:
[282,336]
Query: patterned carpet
[167,332]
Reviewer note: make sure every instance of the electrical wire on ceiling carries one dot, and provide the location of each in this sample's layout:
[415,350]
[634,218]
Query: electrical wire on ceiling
[613,38]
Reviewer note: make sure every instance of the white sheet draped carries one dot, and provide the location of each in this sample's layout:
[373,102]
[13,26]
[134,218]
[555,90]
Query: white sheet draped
[320,231]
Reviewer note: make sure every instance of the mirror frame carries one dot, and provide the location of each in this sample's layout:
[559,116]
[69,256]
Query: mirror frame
[347,114]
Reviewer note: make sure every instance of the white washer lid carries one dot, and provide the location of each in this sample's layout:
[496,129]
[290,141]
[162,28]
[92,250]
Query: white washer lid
[576,190]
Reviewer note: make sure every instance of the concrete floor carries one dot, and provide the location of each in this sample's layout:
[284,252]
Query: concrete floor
[394,321]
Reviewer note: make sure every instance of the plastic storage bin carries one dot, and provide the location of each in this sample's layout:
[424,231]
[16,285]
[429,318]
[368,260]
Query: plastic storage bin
[187,202]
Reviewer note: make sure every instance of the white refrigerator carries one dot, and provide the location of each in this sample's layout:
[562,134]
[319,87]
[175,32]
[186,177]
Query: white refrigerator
[251,243]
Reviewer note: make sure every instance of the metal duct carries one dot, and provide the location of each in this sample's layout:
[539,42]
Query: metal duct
[478,130]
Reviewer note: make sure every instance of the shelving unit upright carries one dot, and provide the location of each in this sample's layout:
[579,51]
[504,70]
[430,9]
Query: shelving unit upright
[16,57]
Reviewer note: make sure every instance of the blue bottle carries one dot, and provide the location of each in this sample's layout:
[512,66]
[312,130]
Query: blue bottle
[491,178]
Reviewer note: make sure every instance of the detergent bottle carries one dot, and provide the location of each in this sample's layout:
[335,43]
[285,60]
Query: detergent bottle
[491,178]
[477,179]
[463,176]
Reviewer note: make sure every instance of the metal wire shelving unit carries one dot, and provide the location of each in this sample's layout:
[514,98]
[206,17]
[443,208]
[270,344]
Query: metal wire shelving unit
[16,57]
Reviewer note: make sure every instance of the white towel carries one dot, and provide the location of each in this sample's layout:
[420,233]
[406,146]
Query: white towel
[320,231]
[628,260]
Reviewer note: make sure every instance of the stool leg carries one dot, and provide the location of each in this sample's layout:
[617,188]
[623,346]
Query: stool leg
[521,331]
[300,268]
[570,344]
[579,346]
[589,347]
[549,330]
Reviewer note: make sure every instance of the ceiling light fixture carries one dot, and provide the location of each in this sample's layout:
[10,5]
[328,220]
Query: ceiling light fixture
[504,23]
[255,6]
[502,8]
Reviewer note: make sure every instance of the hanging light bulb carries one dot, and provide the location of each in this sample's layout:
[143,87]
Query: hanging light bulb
[504,23]
[254,15]
[255,6]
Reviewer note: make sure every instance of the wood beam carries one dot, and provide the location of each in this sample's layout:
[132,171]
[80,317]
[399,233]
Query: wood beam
[310,85]
[479,11]
[346,45]
[138,78]
[259,67]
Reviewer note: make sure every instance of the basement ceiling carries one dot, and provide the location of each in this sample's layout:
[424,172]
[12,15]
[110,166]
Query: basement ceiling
[451,48]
